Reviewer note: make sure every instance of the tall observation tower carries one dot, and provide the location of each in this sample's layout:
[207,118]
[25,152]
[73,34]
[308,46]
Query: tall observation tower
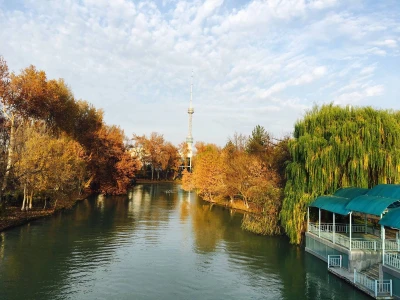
[189,138]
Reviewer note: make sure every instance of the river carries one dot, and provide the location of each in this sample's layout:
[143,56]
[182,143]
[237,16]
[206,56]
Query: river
[158,242]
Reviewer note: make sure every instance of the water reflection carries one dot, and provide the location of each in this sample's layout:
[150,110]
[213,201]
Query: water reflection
[154,244]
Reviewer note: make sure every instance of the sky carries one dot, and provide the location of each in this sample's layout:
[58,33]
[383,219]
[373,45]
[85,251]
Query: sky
[254,62]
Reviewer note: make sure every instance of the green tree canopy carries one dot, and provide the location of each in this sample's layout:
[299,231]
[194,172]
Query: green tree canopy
[335,147]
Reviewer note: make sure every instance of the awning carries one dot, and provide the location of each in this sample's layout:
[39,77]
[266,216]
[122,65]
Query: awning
[333,204]
[350,192]
[392,218]
[386,190]
[372,205]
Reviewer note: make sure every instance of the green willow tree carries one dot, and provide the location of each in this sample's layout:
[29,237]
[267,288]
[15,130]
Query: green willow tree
[335,147]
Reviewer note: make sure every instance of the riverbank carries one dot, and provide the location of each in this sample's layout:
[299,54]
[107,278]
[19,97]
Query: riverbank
[13,216]
[140,181]
[236,204]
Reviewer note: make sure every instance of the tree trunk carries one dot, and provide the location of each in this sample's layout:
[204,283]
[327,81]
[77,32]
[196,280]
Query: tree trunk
[246,203]
[10,152]
[152,173]
[30,200]
[23,202]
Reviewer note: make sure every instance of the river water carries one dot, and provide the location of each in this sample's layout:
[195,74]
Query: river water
[153,244]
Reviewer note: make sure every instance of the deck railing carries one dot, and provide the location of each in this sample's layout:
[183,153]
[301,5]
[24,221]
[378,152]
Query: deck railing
[334,261]
[392,260]
[383,288]
[342,228]
[392,245]
[356,243]
[365,244]
[377,287]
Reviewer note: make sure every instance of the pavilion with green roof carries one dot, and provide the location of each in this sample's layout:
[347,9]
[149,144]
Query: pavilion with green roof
[359,246]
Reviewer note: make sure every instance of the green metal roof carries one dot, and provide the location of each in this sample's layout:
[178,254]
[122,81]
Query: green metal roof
[350,192]
[392,218]
[374,201]
[372,205]
[333,204]
[386,190]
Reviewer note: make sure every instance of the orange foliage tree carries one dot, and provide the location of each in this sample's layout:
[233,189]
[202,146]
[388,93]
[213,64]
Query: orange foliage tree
[30,98]
[247,170]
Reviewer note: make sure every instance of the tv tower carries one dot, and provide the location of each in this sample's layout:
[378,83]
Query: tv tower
[189,138]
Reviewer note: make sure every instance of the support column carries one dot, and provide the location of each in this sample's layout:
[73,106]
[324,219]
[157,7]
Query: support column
[366,225]
[333,228]
[383,242]
[350,229]
[308,219]
[319,222]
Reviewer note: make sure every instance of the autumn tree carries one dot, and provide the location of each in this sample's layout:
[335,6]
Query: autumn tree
[239,142]
[239,172]
[187,181]
[170,160]
[29,98]
[111,166]
[153,149]
[208,177]
[184,153]
[46,164]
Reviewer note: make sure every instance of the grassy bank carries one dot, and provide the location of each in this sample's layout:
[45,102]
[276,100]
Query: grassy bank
[12,216]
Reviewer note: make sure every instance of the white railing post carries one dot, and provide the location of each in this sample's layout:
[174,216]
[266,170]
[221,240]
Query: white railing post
[383,241]
[350,230]
[376,288]
[355,274]
[308,219]
[334,228]
[391,289]
[319,222]
[374,245]
[340,261]
[398,245]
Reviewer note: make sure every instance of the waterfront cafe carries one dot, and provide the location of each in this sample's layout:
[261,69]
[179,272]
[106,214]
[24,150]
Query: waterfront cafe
[361,227]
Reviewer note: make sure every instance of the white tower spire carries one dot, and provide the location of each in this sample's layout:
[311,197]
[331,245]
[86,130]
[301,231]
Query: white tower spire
[189,138]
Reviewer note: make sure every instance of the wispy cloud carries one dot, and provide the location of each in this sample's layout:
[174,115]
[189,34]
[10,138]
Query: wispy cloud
[261,62]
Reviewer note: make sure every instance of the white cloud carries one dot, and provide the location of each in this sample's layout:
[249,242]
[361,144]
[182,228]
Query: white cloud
[373,91]
[390,43]
[262,62]
[301,80]
[355,97]
[323,4]
[368,70]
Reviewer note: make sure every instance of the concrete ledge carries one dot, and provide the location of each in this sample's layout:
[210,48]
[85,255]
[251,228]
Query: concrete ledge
[392,271]
[357,259]
[316,254]
[329,243]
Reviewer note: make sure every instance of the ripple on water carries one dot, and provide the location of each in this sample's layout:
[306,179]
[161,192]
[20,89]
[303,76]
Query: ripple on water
[151,246]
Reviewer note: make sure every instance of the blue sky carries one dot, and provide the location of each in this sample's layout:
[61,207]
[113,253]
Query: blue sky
[254,62]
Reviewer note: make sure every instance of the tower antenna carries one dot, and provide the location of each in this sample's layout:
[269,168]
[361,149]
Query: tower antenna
[189,138]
